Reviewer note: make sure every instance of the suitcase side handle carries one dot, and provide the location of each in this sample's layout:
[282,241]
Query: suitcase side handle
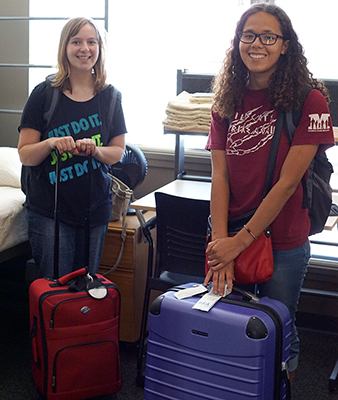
[247,296]
[66,278]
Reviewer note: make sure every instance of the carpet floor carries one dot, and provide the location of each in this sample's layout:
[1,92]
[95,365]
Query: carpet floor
[319,353]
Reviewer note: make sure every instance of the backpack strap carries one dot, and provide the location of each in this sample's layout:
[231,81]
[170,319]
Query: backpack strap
[53,98]
[53,95]
[292,119]
[113,98]
[273,152]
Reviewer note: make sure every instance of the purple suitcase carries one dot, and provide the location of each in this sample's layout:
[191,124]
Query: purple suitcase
[237,351]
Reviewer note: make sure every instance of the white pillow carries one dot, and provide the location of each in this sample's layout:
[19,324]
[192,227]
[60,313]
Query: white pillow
[10,167]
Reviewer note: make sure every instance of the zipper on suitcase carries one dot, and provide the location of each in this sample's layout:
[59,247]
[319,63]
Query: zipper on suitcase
[51,322]
[65,291]
[52,317]
[34,349]
[54,377]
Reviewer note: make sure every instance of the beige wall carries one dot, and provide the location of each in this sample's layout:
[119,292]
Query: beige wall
[13,81]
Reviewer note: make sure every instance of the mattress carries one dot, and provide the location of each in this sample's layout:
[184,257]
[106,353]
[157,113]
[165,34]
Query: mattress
[13,225]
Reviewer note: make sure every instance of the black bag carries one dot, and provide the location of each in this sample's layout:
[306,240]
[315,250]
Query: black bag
[317,192]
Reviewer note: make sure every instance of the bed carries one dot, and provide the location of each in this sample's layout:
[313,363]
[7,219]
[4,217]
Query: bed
[13,226]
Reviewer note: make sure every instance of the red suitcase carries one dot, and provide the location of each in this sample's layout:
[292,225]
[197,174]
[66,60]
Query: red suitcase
[74,328]
[74,339]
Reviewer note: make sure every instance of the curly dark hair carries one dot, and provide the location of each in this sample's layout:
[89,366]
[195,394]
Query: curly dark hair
[286,84]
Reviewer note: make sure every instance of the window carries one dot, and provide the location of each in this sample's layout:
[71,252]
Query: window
[152,42]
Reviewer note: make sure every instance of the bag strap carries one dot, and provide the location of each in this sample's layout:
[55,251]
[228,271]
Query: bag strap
[273,152]
[53,95]
[114,92]
[292,119]
[113,98]
[128,196]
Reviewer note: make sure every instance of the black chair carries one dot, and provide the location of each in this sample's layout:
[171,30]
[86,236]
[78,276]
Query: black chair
[180,252]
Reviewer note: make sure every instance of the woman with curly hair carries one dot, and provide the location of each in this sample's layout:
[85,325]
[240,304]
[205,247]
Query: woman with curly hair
[78,127]
[264,71]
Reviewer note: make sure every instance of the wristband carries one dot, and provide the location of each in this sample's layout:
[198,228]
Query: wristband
[252,235]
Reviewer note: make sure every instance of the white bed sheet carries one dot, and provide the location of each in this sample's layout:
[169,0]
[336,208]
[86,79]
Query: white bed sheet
[13,225]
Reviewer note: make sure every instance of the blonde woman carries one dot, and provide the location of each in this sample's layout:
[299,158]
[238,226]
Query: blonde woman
[79,127]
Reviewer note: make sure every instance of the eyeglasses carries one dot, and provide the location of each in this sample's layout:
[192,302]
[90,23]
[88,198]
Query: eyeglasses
[268,39]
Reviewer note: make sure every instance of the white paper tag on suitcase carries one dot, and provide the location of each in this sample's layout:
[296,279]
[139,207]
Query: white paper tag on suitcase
[189,292]
[209,300]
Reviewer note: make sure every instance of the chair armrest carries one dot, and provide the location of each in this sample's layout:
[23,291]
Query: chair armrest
[149,225]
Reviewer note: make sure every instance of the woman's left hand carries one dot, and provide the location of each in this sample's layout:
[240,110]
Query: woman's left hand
[85,146]
[220,277]
[221,254]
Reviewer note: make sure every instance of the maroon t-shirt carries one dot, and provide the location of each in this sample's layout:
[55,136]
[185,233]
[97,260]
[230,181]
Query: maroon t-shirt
[247,144]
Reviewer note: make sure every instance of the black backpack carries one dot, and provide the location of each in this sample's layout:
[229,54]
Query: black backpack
[317,192]
[53,95]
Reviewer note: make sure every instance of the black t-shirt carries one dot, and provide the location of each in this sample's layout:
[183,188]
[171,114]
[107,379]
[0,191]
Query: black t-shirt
[87,119]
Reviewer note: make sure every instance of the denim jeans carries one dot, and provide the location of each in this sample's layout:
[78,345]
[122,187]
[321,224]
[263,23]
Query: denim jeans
[71,247]
[290,267]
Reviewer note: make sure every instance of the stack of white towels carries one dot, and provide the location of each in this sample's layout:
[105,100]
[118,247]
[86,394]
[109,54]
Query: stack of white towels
[189,113]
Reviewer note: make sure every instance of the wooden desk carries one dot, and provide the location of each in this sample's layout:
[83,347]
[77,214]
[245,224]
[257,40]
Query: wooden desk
[181,188]
[131,274]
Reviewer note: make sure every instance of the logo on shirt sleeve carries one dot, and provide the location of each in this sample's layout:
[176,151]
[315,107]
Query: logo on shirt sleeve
[319,123]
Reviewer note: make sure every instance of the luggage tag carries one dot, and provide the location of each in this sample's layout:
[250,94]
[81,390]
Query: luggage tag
[95,289]
[189,292]
[209,300]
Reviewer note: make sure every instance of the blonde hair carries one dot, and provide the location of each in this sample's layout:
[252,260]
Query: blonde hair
[71,29]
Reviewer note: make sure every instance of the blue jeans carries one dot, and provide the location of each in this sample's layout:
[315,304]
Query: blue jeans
[71,248]
[290,267]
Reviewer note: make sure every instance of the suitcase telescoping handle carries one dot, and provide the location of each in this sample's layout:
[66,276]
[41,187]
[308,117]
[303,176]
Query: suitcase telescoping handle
[57,218]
